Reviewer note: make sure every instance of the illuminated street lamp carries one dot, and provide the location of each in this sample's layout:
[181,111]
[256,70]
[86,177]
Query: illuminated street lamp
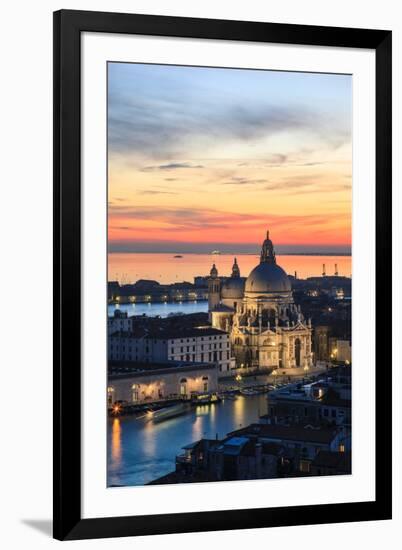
[238,378]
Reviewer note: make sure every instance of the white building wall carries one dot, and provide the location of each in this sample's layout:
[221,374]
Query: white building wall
[209,349]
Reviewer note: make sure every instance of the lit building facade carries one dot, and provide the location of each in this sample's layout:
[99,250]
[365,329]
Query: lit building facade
[137,383]
[266,328]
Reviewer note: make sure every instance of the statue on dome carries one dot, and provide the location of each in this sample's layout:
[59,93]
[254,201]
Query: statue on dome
[267,251]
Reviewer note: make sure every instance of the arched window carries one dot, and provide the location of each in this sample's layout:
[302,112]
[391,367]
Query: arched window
[205,383]
[183,387]
[298,352]
[238,341]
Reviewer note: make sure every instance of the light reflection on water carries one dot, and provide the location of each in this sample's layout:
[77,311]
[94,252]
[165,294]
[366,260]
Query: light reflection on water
[116,440]
[139,451]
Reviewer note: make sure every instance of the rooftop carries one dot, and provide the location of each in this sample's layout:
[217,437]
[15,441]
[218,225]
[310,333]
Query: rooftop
[185,332]
[293,432]
[128,369]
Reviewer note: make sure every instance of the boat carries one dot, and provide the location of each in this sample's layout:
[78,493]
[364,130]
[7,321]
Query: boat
[178,256]
[216,252]
[248,391]
[169,411]
[205,398]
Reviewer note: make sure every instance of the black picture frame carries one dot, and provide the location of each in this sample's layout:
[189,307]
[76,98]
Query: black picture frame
[68,26]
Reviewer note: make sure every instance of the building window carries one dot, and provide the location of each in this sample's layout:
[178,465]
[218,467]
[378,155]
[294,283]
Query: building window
[183,387]
[205,383]
[135,392]
[305,466]
[341,448]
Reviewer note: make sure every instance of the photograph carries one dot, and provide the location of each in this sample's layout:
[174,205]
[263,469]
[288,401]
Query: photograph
[229,277]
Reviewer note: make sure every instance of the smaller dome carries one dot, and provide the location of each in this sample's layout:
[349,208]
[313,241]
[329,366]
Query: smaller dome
[233,288]
[214,271]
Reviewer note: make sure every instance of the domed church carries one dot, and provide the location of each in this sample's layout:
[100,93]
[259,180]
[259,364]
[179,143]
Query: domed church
[267,329]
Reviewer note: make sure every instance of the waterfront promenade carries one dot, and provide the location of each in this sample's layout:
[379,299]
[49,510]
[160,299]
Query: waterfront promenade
[282,376]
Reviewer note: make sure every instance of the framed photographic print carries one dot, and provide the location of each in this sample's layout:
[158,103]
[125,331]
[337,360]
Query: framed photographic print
[222,270]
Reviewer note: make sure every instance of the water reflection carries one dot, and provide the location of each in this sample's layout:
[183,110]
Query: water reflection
[197,429]
[239,412]
[149,439]
[116,441]
[140,451]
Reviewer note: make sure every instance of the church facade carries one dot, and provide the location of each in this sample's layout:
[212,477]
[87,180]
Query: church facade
[266,328]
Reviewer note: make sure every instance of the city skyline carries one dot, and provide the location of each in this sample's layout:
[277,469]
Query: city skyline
[203,158]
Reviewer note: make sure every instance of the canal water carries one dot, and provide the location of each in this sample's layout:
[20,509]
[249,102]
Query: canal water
[140,451]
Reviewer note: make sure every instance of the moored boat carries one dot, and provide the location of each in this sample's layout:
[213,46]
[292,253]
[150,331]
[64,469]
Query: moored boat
[205,398]
[170,411]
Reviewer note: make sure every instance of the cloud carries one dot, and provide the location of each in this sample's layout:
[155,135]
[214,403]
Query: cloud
[156,192]
[178,219]
[170,166]
[238,180]
[171,127]
[312,183]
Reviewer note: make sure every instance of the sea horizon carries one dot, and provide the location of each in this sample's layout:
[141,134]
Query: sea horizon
[171,267]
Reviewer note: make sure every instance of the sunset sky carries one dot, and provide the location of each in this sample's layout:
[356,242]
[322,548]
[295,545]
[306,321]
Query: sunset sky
[206,158]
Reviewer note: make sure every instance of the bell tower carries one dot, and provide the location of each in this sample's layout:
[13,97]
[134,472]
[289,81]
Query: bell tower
[214,289]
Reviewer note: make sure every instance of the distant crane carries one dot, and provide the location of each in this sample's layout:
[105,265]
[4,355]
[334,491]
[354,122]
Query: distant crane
[336,270]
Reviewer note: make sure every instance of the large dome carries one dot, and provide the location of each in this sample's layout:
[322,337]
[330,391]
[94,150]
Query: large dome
[267,278]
